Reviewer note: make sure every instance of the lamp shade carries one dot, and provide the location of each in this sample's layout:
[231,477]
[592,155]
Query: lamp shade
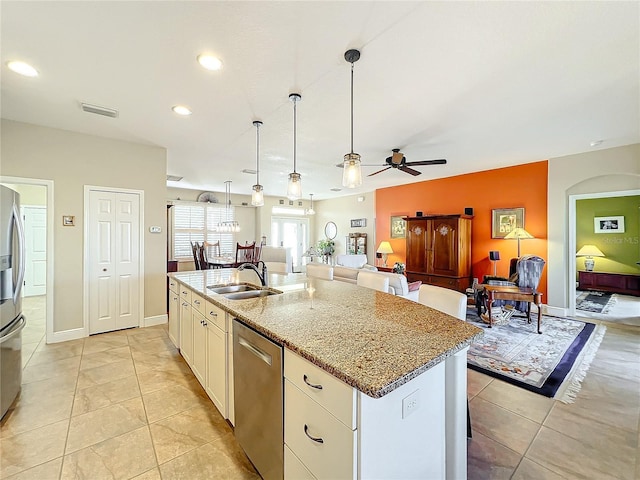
[589,251]
[384,247]
[519,233]
[494,255]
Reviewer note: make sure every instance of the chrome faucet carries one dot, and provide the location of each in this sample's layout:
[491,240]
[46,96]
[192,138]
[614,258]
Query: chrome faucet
[264,279]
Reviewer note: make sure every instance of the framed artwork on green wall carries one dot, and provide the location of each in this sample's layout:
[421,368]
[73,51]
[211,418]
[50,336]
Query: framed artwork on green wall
[609,224]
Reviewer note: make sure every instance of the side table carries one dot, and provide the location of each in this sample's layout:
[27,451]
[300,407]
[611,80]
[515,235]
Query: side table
[520,294]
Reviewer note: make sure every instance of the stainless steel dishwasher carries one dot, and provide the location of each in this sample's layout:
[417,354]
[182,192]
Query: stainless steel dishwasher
[258,386]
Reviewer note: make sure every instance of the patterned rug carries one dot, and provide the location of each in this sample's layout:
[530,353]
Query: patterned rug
[598,302]
[552,364]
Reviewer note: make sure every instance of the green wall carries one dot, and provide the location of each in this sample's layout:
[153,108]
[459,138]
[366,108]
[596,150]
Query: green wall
[622,250]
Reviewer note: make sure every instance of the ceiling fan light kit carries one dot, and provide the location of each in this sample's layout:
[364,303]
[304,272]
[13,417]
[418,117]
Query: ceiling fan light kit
[257,195]
[294,187]
[352,174]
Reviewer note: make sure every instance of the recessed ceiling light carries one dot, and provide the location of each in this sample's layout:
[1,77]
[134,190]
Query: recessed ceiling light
[210,62]
[181,110]
[596,143]
[22,68]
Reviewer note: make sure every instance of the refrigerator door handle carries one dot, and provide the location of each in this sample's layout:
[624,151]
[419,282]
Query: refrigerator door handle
[15,330]
[21,253]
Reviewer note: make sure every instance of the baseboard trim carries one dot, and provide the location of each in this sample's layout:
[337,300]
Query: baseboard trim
[66,335]
[555,311]
[155,320]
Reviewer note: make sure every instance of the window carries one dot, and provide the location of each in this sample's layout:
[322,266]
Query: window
[196,222]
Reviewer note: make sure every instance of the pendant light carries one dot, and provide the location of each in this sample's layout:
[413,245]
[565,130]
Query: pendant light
[294,188]
[352,174]
[227,225]
[257,196]
[310,210]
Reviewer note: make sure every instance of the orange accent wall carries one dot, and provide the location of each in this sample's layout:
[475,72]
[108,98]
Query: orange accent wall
[519,186]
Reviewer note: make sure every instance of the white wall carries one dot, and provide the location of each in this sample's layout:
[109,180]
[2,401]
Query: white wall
[608,170]
[72,160]
[341,211]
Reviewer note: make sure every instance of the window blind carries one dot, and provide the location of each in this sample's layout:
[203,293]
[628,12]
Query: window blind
[194,222]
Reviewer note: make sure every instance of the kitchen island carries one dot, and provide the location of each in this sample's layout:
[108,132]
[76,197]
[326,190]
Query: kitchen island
[404,363]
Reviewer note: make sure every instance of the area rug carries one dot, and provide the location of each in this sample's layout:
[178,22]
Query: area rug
[598,302]
[552,364]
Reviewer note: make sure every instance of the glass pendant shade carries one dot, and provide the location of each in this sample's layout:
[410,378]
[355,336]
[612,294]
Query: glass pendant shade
[352,173]
[294,188]
[310,210]
[257,196]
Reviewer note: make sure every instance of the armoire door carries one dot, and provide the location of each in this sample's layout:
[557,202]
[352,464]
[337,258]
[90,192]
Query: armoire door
[443,247]
[113,249]
[417,246]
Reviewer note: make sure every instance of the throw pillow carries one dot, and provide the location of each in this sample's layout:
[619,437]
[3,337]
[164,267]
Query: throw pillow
[413,286]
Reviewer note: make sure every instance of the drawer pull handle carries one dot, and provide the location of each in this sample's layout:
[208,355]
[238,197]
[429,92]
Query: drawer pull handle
[185,304]
[317,387]
[197,302]
[315,439]
[213,314]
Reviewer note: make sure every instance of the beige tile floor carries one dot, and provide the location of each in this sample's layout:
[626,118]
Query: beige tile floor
[125,405]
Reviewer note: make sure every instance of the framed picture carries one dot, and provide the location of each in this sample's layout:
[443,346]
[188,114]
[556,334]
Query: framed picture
[398,227]
[358,222]
[68,220]
[504,220]
[608,224]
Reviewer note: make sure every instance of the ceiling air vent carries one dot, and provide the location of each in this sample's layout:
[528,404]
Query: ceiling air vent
[174,178]
[98,110]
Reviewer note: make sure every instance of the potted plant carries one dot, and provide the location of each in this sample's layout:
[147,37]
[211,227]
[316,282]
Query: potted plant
[398,267]
[326,246]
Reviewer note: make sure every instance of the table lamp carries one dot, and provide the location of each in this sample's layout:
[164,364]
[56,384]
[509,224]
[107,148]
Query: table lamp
[494,256]
[589,251]
[385,249]
[518,233]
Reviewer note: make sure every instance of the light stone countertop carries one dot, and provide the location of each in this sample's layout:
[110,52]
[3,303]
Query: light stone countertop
[371,340]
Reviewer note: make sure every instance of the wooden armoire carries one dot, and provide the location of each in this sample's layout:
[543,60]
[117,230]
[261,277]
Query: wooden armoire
[439,250]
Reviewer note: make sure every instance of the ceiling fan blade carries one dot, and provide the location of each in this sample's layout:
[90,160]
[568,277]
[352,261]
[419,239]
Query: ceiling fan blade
[441,161]
[409,170]
[375,173]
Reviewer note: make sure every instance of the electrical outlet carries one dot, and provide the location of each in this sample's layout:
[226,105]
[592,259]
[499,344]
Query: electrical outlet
[410,403]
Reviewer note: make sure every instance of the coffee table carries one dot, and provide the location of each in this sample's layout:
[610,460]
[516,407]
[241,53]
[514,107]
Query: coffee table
[519,294]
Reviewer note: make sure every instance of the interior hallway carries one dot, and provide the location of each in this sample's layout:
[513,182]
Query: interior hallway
[125,405]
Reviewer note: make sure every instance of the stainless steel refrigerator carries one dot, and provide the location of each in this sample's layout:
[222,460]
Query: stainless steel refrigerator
[12,321]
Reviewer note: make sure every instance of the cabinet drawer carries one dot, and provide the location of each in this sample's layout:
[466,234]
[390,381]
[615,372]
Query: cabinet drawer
[216,315]
[173,285]
[294,469]
[333,394]
[198,303]
[331,455]
[185,292]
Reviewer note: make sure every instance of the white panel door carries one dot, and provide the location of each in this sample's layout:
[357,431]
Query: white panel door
[35,235]
[113,256]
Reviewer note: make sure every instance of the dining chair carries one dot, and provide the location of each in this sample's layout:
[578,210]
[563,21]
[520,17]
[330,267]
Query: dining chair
[195,248]
[245,253]
[450,302]
[373,280]
[213,248]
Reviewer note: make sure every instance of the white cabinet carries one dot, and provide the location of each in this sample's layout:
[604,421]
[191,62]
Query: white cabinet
[320,420]
[199,358]
[174,313]
[216,376]
[186,330]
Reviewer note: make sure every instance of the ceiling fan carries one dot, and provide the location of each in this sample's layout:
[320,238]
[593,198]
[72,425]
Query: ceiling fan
[399,161]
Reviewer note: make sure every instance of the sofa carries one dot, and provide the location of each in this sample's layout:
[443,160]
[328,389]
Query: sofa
[397,282]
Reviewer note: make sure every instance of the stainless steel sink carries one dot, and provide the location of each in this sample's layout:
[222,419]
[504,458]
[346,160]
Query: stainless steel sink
[250,294]
[233,288]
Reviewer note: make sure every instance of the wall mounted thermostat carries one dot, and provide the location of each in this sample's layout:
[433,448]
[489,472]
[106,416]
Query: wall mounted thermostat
[155,229]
